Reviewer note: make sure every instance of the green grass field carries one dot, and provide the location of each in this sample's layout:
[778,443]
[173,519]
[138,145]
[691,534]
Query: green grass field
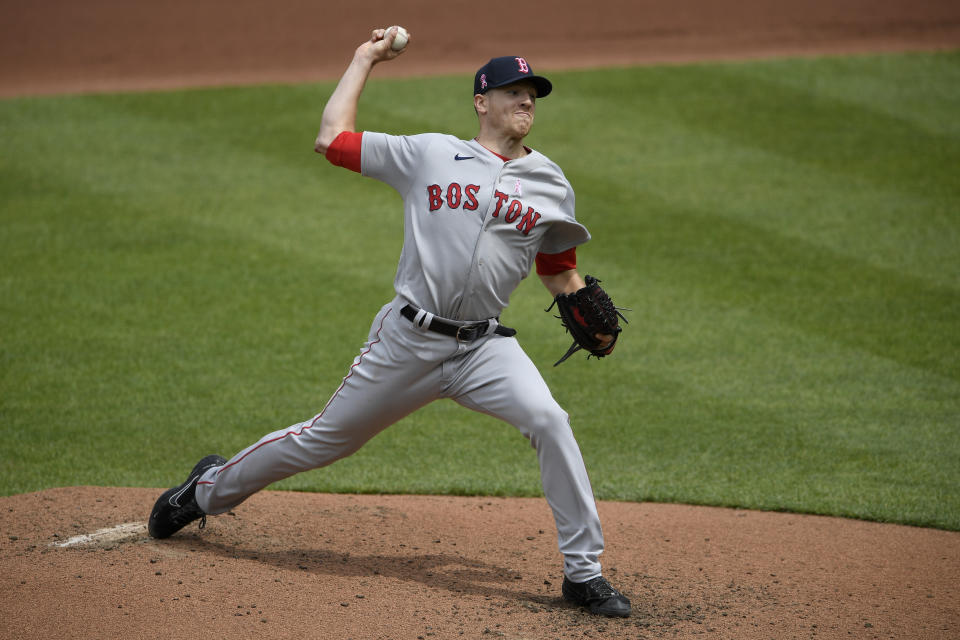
[181,274]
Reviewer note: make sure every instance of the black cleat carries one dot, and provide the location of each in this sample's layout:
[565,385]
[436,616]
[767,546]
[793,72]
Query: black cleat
[598,595]
[178,507]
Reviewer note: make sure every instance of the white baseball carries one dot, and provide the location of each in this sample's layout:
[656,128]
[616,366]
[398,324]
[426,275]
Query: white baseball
[401,40]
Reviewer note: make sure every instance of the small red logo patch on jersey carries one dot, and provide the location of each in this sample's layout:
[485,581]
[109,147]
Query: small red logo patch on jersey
[522,65]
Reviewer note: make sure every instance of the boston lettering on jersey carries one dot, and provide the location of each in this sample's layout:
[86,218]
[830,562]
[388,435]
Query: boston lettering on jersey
[456,196]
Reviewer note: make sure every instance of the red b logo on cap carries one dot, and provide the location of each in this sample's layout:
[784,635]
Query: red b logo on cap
[522,65]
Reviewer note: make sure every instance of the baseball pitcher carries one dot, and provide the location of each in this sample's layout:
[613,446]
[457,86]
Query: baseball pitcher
[479,215]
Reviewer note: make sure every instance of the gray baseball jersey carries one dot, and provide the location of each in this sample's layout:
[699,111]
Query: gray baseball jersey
[473,227]
[474,223]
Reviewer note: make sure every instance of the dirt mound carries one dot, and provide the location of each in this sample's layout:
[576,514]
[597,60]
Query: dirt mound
[77,563]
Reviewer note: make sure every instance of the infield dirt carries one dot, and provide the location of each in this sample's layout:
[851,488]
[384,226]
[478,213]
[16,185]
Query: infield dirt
[76,562]
[61,46]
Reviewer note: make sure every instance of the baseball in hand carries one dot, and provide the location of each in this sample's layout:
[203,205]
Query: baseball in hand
[401,40]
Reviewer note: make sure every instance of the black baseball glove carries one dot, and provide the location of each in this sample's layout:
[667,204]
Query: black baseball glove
[586,313]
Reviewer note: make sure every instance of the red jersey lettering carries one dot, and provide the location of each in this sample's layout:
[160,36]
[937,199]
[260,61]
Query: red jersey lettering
[470,191]
[434,196]
[528,221]
[513,211]
[501,197]
[453,195]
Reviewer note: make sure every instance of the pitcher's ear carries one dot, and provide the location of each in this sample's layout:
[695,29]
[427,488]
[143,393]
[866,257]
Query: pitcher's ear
[480,103]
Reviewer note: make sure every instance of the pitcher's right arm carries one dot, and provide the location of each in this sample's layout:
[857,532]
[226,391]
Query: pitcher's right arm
[340,112]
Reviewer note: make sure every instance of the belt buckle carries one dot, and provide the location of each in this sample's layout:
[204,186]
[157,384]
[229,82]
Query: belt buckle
[470,332]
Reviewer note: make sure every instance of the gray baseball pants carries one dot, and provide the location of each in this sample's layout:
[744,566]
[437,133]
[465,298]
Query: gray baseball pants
[401,368]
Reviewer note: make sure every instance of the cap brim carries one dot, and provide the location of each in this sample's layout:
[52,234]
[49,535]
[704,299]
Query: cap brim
[541,84]
[544,86]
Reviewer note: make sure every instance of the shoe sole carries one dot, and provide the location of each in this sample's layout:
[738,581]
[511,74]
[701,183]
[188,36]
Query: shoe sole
[610,613]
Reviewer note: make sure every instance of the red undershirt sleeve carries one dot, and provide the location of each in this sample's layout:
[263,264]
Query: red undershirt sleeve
[550,264]
[344,151]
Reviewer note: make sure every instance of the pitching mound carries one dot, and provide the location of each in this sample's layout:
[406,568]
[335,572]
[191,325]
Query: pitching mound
[77,563]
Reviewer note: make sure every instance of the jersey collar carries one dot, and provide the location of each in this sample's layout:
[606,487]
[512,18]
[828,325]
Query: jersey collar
[504,158]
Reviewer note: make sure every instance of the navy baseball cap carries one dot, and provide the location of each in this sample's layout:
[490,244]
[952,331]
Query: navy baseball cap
[505,70]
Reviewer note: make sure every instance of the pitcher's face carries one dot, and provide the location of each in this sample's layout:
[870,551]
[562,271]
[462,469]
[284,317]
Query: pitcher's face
[510,109]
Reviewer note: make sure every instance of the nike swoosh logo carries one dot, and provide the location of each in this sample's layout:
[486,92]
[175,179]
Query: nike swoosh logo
[460,157]
[175,498]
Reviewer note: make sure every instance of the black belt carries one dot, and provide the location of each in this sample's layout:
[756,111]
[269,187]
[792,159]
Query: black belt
[462,332]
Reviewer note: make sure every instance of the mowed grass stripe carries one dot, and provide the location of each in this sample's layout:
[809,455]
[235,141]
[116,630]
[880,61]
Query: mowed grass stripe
[181,274]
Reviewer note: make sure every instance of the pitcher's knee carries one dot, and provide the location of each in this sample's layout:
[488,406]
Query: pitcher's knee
[549,424]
